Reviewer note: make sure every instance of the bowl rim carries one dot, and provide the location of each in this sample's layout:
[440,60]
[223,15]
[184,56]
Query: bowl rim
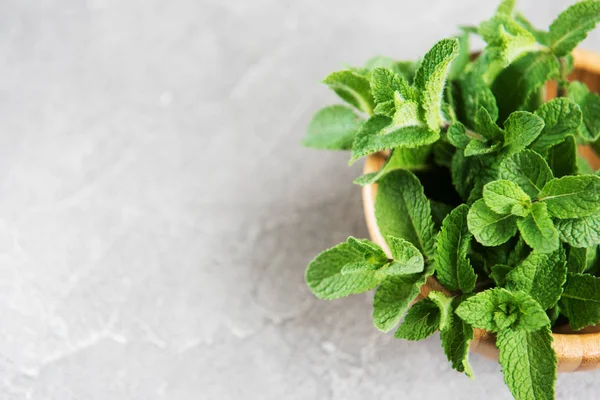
[574,351]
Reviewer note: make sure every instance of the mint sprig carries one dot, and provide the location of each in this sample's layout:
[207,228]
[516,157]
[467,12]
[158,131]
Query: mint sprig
[483,189]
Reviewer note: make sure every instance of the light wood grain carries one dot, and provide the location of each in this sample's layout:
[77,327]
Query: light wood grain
[575,351]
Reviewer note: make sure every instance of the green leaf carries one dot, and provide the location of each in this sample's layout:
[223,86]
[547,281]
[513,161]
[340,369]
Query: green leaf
[387,108]
[380,133]
[476,147]
[580,232]
[403,211]
[506,39]
[503,195]
[394,296]
[572,196]
[562,117]
[542,276]
[431,77]
[325,278]
[333,128]
[444,304]
[499,273]
[463,58]
[470,174]
[485,125]
[506,8]
[516,84]
[520,130]
[453,268]
[498,309]
[572,26]
[537,229]
[475,94]
[385,83]
[455,338]
[581,259]
[353,88]
[528,363]
[580,301]
[457,135]
[421,321]
[562,158]
[527,169]
[590,108]
[488,227]
[407,259]
[401,158]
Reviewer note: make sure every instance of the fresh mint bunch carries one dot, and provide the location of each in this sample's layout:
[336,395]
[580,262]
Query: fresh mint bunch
[483,190]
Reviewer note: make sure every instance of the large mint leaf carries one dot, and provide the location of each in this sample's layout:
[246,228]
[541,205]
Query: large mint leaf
[455,338]
[431,77]
[537,229]
[542,276]
[453,267]
[562,158]
[403,211]
[421,321]
[562,117]
[580,301]
[528,363]
[523,78]
[589,103]
[379,133]
[488,227]
[394,296]
[572,196]
[401,158]
[325,278]
[503,195]
[353,88]
[520,130]
[527,169]
[572,26]
[580,232]
[498,309]
[333,128]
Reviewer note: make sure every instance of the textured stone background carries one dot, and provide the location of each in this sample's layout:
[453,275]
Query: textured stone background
[157,211]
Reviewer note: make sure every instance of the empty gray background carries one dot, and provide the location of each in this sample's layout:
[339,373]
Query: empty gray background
[157,211]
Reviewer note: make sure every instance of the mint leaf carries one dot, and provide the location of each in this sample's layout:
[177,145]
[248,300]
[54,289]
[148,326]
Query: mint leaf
[562,117]
[520,130]
[499,273]
[572,26]
[455,337]
[537,229]
[528,170]
[476,147]
[528,363]
[503,195]
[590,107]
[421,321]
[463,58]
[580,301]
[385,83]
[506,39]
[407,259]
[475,94]
[402,210]
[431,77]
[401,158]
[516,84]
[581,259]
[353,88]
[498,309]
[488,227]
[572,196]
[457,135]
[380,133]
[542,276]
[540,36]
[333,128]
[444,304]
[394,296]
[325,278]
[371,252]
[387,108]
[580,232]
[453,268]
[562,158]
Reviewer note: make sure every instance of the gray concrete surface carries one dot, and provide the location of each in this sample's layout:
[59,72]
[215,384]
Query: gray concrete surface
[157,211]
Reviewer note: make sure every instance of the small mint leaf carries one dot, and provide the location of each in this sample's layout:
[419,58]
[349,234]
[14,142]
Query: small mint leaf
[421,321]
[385,83]
[527,169]
[488,227]
[333,128]
[502,195]
[538,231]
[353,88]
[407,259]
[520,130]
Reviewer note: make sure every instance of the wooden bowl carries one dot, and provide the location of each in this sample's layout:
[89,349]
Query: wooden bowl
[575,351]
